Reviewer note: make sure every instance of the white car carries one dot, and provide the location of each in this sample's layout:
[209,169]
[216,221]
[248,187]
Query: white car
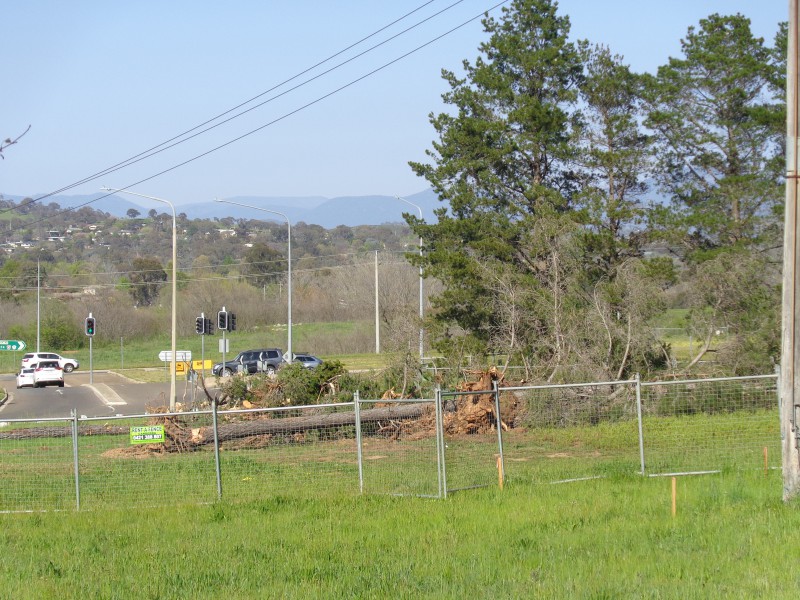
[25,377]
[48,372]
[33,358]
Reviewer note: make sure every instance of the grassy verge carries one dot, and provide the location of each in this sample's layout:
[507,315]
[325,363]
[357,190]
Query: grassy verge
[596,539]
[291,524]
[139,354]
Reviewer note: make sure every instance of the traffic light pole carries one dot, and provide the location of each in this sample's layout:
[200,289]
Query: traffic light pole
[203,347]
[88,328]
[224,339]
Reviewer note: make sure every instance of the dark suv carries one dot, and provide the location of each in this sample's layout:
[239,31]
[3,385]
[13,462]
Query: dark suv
[266,360]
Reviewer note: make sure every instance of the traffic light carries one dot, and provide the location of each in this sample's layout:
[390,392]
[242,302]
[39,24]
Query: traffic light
[199,325]
[222,320]
[231,321]
[89,326]
[208,328]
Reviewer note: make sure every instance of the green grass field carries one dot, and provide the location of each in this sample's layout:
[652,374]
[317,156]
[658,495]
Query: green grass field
[122,355]
[127,355]
[732,537]
[291,523]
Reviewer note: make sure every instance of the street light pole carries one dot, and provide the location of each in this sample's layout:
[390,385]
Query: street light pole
[289,260]
[421,328]
[172,390]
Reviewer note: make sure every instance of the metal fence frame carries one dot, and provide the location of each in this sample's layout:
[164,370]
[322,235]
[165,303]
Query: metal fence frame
[437,462]
[645,470]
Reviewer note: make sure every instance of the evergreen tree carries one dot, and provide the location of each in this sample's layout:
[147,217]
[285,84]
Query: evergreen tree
[718,148]
[503,161]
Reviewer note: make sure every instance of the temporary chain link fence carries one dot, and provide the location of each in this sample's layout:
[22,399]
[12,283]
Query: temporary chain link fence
[704,425]
[538,434]
[572,431]
[399,446]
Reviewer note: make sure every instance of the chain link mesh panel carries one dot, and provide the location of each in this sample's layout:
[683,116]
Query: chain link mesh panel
[398,447]
[36,466]
[471,444]
[115,470]
[308,450]
[566,432]
[716,424]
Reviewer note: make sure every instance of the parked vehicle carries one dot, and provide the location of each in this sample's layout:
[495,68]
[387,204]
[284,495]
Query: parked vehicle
[266,360]
[67,364]
[48,372]
[25,377]
[309,361]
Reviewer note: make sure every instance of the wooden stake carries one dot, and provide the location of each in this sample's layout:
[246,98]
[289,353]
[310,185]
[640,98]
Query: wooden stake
[500,474]
[674,496]
[766,462]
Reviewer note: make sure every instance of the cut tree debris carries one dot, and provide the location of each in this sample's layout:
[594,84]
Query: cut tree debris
[470,413]
[475,413]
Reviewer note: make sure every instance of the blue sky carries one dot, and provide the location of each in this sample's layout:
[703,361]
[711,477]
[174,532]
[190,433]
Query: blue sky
[100,82]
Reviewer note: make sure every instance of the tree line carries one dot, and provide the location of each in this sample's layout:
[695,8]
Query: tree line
[581,200]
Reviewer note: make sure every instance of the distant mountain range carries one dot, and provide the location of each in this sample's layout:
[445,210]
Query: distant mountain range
[316,210]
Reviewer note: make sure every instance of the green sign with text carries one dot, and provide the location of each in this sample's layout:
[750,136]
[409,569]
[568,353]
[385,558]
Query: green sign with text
[12,345]
[147,434]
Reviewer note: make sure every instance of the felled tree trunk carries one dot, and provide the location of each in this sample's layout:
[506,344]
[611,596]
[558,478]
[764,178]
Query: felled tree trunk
[61,431]
[231,431]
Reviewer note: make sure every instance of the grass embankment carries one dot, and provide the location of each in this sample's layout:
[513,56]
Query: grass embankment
[291,525]
[732,537]
[126,355]
[327,340]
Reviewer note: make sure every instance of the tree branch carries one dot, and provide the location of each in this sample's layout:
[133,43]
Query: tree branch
[9,142]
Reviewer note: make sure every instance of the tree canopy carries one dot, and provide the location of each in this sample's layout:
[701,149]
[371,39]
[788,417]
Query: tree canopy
[552,164]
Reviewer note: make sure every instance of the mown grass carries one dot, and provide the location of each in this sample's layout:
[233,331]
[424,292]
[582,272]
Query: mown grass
[135,354]
[307,337]
[732,537]
[292,525]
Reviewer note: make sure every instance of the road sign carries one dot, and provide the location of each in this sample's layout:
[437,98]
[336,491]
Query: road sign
[12,345]
[180,355]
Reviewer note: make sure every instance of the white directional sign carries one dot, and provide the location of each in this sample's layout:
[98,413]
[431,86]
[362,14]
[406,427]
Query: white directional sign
[12,345]
[180,355]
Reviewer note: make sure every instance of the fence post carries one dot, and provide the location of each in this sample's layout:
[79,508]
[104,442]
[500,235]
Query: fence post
[639,419]
[216,448]
[74,414]
[440,458]
[357,408]
[496,391]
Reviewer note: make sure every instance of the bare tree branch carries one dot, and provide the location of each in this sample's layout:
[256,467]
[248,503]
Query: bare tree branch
[9,142]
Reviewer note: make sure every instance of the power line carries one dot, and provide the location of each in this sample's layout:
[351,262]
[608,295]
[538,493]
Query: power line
[176,140]
[270,123]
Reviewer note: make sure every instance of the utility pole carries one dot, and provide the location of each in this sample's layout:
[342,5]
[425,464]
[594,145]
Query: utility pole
[790,334]
[377,310]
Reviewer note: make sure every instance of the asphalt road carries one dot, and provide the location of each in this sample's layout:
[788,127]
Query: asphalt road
[107,394]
